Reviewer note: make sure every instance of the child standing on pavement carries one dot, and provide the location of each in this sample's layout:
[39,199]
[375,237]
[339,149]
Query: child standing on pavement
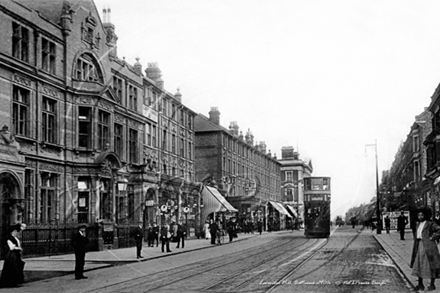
[425,258]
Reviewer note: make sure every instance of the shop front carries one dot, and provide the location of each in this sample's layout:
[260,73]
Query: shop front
[277,216]
[216,206]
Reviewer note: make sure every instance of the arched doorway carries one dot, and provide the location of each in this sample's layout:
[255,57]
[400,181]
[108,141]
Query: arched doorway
[11,206]
[150,207]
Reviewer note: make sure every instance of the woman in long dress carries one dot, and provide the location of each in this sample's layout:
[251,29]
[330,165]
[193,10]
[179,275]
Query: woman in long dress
[12,273]
[425,258]
[206,229]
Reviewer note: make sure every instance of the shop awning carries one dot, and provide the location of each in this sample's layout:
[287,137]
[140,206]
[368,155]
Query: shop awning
[214,202]
[292,211]
[280,208]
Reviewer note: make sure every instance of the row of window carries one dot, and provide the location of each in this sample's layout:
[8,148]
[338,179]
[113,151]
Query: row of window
[45,209]
[244,150]
[21,118]
[167,107]
[21,46]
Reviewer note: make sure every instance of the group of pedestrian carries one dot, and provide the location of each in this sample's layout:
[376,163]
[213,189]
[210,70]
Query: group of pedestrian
[248,226]
[215,231]
[167,234]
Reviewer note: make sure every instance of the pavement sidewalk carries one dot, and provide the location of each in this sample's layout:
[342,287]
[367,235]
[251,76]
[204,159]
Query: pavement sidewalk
[38,268]
[399,251]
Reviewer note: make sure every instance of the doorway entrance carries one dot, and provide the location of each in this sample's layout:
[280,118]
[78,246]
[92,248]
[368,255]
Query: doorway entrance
[11,207]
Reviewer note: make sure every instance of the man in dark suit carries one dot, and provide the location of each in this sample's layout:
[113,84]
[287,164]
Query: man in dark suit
[79,243]
[156,234]
[213,230]
[181,233]
[138,236]
[402,220]
[165,237]
[231,228]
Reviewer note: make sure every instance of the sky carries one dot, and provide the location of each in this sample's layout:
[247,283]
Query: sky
[330,78]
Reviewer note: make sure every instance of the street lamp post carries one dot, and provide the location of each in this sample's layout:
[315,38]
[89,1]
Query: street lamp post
[379,222]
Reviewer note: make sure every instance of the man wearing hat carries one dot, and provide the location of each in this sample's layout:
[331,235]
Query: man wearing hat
[138,236]
[79,244]
[402,221]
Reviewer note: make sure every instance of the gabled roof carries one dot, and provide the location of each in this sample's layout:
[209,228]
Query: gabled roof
[110,94]
[52,9]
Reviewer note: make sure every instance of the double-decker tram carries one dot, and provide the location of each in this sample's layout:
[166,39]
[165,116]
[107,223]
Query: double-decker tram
[317,197]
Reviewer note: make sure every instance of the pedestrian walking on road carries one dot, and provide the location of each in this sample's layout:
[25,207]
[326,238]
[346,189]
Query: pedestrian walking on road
[181,233]
[138,236]
[231,227]
[12,273]
[213,231]
[425,258]
[219,233]
[150,235]
[79,244]
[165,237]
[402,221]
[206,230]
[260,226]
[156,234]
[387,224]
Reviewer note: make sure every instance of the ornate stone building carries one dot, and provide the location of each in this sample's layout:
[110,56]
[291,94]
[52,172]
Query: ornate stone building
[87,137]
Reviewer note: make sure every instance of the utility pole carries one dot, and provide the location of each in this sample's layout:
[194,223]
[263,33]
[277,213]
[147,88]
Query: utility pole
[378,215]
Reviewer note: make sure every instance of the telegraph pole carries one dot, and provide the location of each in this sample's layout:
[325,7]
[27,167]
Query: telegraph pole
[378,215]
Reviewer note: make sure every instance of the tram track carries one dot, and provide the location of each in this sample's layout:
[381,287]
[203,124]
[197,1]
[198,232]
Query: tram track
[285,278]
[260,274]
[157,281]
[244,278]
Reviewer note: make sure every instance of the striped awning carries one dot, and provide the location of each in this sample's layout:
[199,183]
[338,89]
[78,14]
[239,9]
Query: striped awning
[280,208]
[214,202]
[292,211]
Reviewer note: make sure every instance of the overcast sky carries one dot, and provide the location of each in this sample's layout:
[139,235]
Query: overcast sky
[327,77]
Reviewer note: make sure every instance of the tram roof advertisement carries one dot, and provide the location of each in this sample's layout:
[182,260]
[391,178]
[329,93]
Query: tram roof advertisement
[317,183]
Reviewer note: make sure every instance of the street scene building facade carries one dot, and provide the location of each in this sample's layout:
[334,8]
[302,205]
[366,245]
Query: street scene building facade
[243,171]
[86,137]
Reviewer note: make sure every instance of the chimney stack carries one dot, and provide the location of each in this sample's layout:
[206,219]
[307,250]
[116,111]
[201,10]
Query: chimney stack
[214,115]
[153,72]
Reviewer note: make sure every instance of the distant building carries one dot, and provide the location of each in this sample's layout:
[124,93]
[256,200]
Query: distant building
[293,171]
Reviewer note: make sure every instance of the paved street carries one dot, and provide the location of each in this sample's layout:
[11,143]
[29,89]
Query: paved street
[351,260]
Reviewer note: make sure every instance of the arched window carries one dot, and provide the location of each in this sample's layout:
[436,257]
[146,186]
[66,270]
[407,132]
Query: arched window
[87,69]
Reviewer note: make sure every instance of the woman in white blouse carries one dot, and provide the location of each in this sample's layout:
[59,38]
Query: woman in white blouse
[425,258]
[12,273]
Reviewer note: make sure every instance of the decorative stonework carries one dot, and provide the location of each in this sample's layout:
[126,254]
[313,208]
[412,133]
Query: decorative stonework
[30,163]
[83,100]
[51,167]
[80,170]
[22,80]
[133,124]
[49,150]
[119,119]
[49,91]
[105,106]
